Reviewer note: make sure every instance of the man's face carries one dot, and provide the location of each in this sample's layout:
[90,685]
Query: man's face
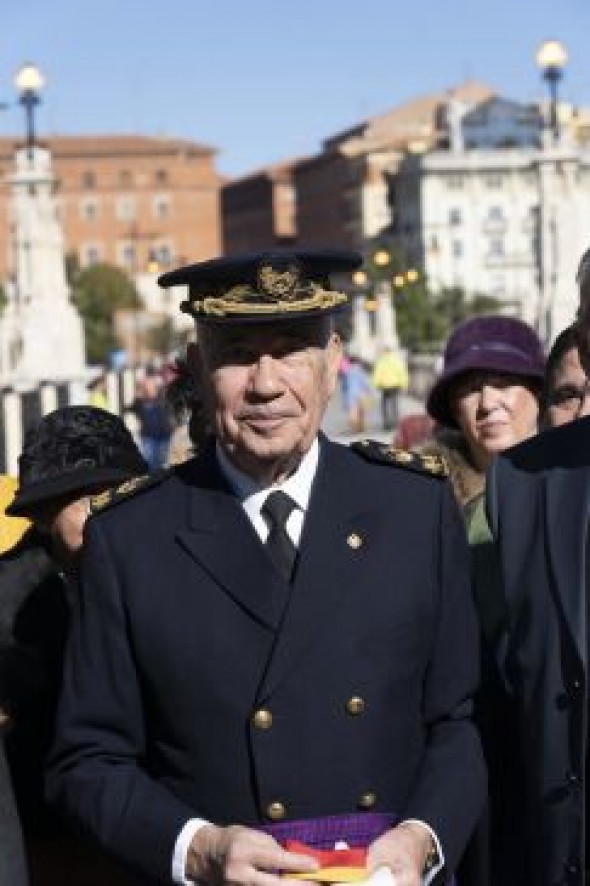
[569,396]
[266,389]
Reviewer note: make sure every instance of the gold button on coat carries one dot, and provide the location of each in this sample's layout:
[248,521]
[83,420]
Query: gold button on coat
[262,719]
[355,705]
[276,811]
[354,541]
[367,800]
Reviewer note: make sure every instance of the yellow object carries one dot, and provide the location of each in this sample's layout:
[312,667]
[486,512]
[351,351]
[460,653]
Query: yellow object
[390,372]
[332,875]
[12,529]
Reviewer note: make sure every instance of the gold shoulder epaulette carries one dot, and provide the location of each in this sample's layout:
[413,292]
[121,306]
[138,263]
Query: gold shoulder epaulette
[122,492]
[384,453]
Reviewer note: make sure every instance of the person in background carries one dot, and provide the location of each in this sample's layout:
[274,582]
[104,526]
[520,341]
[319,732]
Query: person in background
[486,400]
[276,638]
[390,377]
[357,393]
[538,497]
[70,455]
[566,395]
[153,417]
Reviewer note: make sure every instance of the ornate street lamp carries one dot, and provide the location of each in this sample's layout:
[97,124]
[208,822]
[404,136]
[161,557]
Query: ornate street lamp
[552,58]
[29,81]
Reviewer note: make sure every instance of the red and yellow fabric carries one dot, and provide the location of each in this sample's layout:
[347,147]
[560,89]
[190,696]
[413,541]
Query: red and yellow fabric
[335,865]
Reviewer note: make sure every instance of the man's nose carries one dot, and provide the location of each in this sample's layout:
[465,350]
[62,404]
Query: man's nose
[265,378]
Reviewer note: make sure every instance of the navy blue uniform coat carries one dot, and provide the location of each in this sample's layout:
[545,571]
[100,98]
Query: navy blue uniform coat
[538,502]
[185,630]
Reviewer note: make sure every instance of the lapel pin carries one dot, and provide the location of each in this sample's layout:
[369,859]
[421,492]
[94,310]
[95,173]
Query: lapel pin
[354,541]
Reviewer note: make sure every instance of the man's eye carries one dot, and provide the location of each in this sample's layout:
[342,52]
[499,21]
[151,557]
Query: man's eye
[564,395]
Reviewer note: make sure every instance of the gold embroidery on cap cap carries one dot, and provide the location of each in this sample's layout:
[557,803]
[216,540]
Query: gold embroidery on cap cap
[280,284]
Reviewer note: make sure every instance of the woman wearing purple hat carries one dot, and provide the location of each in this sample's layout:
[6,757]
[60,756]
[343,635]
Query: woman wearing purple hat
[486,400]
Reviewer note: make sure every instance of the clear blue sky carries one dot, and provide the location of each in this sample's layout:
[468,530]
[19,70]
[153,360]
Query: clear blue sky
[263,80]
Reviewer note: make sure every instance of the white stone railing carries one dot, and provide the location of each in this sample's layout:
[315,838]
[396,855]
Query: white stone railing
[20,410]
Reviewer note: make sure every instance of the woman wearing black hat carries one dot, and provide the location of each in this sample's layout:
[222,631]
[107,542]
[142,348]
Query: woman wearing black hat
[486,400]
[71,454]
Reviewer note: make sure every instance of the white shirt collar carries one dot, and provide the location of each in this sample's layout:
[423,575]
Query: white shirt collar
[297,485]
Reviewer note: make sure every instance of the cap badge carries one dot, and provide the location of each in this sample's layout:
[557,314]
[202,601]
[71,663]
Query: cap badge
[275,283]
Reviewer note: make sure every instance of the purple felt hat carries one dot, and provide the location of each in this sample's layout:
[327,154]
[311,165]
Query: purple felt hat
[498,344]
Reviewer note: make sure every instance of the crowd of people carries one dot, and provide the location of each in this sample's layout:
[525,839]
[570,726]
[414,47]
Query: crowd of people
[361,384]
[281,657]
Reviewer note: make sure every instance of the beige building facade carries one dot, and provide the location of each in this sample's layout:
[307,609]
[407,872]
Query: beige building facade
[133,201]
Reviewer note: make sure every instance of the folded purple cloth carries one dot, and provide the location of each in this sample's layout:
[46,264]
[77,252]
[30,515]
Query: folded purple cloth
[357,829]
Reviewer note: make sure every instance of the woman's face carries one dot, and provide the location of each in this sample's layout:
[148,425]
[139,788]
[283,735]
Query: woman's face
[494,411]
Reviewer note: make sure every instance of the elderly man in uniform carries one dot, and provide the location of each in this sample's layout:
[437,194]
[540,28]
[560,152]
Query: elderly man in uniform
[538,504]
[276,638]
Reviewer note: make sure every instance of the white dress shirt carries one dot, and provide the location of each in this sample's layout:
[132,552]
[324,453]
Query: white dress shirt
[252,497]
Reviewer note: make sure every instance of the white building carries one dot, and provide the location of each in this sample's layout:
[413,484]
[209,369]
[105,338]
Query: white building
[508,223]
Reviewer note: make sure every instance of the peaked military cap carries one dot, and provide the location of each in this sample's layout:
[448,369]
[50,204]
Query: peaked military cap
[263,286]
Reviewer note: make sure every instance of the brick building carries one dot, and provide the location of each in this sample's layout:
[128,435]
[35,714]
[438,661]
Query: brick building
[259,210]
[127,200]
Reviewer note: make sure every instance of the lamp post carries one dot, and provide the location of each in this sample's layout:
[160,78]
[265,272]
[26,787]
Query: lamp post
[29,81]
[552,58]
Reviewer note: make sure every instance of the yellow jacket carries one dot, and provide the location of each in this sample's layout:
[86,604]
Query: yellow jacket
[390,371]
[12,529]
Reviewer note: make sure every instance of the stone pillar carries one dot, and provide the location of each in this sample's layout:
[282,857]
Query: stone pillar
[13,430]
[41,331]
[386,332]
[48,397]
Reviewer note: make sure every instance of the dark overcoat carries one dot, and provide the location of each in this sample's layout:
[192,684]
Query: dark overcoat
[199,683]
[538,500]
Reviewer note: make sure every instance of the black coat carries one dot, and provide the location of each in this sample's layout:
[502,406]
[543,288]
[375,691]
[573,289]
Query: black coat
[185,631]
[34,621]
[538,501]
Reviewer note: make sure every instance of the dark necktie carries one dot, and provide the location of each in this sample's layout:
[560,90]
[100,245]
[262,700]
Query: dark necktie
[276,509]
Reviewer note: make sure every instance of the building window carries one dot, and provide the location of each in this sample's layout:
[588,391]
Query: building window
[89,209]
[494,180]
[125,178]
[91,254]
[161,177]
[125,208]
[496,213]
[457,249]
[496,248]
[162,254]
[455,216]
[88,180]
[128,256]
[161,206]
[455,182]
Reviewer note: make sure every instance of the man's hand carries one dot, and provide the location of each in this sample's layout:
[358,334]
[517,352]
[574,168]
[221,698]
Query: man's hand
[241,856]
[403,850]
